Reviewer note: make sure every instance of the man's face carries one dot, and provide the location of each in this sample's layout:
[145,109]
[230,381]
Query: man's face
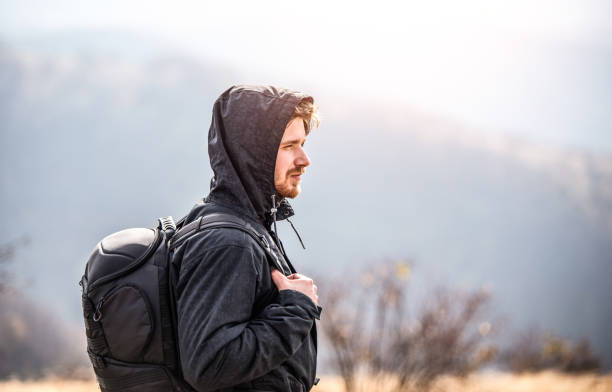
[291,160]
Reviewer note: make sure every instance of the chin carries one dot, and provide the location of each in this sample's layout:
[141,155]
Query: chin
[290,193]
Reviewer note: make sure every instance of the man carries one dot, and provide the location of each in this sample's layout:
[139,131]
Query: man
[244,325]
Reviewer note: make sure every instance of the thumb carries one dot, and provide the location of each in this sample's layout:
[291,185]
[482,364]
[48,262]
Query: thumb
[279,279]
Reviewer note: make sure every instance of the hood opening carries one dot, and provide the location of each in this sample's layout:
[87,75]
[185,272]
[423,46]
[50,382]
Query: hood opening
[248,123]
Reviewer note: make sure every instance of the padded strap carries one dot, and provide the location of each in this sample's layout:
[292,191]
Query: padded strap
[131,380]
[96,342]
[221,220]
[96,360]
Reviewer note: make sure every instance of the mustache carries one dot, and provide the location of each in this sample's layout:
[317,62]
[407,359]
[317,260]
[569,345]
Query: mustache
[298,170]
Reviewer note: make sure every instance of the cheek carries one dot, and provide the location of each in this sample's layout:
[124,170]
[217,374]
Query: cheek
[283,163]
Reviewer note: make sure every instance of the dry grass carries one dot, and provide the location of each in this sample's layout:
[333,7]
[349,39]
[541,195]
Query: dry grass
[49,385]
[489,382]
[547,381]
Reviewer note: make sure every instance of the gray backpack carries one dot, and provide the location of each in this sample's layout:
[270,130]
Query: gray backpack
[129,307]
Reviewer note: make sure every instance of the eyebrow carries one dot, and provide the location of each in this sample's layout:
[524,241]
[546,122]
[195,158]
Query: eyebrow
[294,141]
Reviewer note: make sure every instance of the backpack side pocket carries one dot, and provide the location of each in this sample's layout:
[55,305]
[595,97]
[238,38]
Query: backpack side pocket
[126,309]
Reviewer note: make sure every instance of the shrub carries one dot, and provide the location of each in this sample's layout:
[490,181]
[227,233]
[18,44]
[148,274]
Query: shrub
[371,331]
[533,350]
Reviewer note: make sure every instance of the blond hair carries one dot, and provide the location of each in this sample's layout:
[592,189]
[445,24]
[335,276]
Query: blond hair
[308,112]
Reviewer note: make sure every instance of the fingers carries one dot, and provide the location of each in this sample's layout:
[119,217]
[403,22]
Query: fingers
[298,276]
[279,278]
[297,282]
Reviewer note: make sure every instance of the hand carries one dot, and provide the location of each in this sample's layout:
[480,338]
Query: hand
[296,282]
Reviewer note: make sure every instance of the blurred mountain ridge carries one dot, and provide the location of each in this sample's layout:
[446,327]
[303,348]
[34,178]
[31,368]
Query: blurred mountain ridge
[586,175]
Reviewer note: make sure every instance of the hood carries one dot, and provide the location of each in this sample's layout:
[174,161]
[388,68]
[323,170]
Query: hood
[247,126]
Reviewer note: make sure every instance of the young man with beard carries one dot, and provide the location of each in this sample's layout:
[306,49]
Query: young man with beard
[246,323]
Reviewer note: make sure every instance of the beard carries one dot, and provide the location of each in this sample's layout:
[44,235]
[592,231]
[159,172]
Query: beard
[289,191]
[286,188]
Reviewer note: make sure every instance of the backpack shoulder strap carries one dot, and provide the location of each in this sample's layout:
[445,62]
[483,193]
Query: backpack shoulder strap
[222,220]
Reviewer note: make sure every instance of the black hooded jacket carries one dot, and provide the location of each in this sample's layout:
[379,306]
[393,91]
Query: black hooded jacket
[236,331]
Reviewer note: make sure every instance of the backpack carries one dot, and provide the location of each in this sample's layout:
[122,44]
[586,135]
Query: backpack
[129,307]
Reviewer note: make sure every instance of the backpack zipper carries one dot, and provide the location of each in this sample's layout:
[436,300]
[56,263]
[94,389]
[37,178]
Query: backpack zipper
[130,267]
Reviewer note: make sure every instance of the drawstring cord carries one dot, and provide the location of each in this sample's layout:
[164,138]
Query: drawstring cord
[296,233]
[273,211]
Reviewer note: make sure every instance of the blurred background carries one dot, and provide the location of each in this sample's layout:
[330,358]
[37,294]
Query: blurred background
[471,142]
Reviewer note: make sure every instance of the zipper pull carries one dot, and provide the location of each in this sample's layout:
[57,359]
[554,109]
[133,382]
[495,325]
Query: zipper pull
[98,313]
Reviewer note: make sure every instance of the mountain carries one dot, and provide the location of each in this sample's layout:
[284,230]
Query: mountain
[96,143]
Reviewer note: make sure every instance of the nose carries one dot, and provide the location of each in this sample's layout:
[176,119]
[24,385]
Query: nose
[302,159]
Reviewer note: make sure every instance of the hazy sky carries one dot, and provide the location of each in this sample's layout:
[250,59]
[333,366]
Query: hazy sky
[541,69]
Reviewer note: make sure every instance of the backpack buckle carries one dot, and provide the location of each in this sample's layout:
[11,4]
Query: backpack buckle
[167,224]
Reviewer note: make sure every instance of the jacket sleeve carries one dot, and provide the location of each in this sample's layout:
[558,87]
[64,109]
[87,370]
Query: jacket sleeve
[221,342]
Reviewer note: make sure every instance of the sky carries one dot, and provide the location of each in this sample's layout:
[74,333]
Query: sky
[536,69]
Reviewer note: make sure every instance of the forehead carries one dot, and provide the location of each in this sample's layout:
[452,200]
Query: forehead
[294,130]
